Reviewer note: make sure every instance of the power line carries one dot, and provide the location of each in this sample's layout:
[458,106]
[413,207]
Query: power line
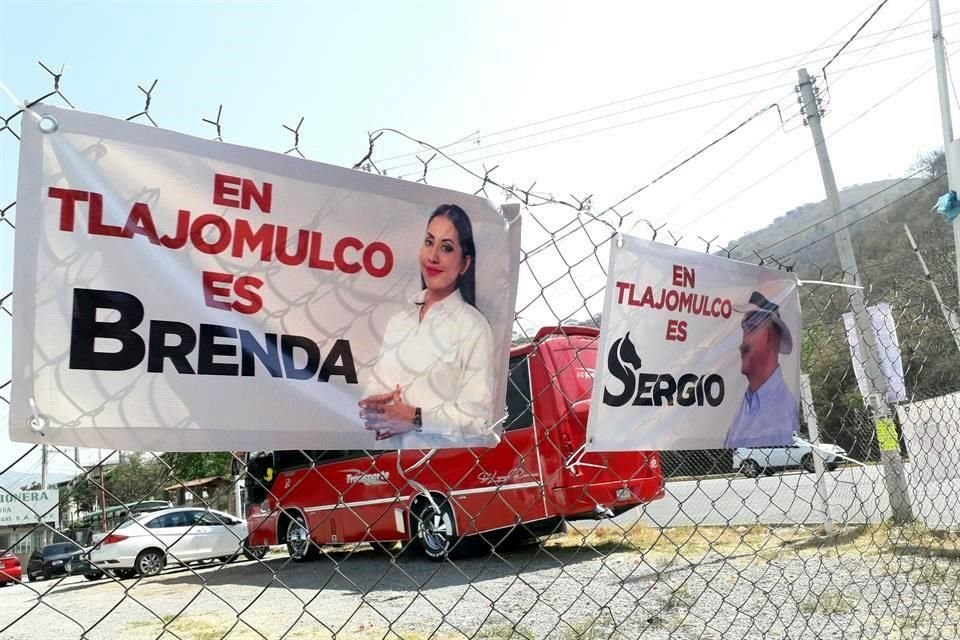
[846,71]
[618,113]
[793,65]
[796,64]
[871,49]
[808,150]
[864,217]
[664,90]
[950,74]
[607,128]
[856,33]
[699,152]
[605,116]
[842,211]
[586,133]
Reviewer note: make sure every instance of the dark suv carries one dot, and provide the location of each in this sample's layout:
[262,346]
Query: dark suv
[51,560]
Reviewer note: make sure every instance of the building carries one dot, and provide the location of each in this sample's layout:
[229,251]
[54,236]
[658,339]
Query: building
[214,492]
[29,519]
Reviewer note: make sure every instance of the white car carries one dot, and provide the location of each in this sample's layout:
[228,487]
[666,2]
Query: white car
[145,544]
[753,462]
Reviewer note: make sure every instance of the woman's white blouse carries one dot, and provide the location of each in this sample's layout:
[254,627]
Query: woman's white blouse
[443,365]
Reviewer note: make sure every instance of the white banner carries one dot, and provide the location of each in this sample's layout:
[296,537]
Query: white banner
[696,352]
[886,347]
[18,508]
[174,293]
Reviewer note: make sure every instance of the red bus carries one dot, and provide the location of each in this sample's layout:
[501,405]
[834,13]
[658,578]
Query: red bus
[537,477]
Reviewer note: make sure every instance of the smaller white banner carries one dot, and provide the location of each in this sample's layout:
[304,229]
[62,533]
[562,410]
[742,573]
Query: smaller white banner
[20,508]
[696,352]
[886,348]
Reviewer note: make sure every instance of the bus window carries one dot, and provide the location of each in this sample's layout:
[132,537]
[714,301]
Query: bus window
[519,413]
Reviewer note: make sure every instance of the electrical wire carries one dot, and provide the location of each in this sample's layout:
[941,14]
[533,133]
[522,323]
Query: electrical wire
[558,238]
[793,65]
[847,70]
[753,185]
[870,50]
[655,92]
[856,33]
[698,153]
[585,133]
[862,218]
[953,87]
[607,128]
[603,117]
[841,211]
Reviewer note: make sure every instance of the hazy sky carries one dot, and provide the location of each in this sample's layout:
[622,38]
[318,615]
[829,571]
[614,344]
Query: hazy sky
[524,84]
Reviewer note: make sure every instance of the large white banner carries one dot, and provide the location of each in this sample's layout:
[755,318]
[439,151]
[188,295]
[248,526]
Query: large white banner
[886,348]
[696,352]
[18,508]
[931,429]
[173,293]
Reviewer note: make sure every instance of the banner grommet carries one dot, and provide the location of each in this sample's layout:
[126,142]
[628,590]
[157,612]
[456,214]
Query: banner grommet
[47,124]
[36,422]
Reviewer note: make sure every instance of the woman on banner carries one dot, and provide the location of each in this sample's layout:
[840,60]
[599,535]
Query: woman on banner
[432,384]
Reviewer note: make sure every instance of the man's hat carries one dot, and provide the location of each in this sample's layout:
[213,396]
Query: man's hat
[759,310]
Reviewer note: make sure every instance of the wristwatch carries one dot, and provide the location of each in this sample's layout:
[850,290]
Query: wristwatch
[417,420]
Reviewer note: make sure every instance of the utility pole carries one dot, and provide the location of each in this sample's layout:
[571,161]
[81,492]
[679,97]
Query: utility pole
[876,400]
[103,499]
[946,123]
[43,467]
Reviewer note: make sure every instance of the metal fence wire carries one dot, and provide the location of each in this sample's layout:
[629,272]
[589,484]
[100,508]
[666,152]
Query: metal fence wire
[732,549]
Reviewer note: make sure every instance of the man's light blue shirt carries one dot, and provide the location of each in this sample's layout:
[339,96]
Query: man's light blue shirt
[767,417]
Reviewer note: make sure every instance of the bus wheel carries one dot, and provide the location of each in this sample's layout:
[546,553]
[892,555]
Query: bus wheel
[299,545]
[435,531]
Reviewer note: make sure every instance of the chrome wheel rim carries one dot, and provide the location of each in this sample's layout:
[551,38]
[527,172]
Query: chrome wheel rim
[297,539]
[150,564]
[436,531]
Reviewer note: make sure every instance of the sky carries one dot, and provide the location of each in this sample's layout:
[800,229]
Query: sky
[581,98]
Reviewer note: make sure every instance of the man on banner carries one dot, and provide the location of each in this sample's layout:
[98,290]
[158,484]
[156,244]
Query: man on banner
[769,412]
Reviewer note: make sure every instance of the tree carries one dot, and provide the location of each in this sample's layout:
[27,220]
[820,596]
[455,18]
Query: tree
[84,492]
[190,466]
[134,480]
[930,164]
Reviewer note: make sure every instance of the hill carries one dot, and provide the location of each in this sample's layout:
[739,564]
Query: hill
[790,237]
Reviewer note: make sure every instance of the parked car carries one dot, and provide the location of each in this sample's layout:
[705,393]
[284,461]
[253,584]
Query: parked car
[145,544]
[80,565]
[51,560]
[535,478]
[753,462]
[10,569]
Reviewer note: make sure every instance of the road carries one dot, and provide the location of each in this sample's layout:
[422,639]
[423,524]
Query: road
[855,494]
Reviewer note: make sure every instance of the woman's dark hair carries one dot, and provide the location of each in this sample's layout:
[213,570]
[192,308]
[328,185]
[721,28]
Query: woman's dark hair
[467,283]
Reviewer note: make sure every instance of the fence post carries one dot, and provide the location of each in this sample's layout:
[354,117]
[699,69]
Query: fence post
[813,429]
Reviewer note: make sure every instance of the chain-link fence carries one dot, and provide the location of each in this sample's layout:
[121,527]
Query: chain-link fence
[796,542]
